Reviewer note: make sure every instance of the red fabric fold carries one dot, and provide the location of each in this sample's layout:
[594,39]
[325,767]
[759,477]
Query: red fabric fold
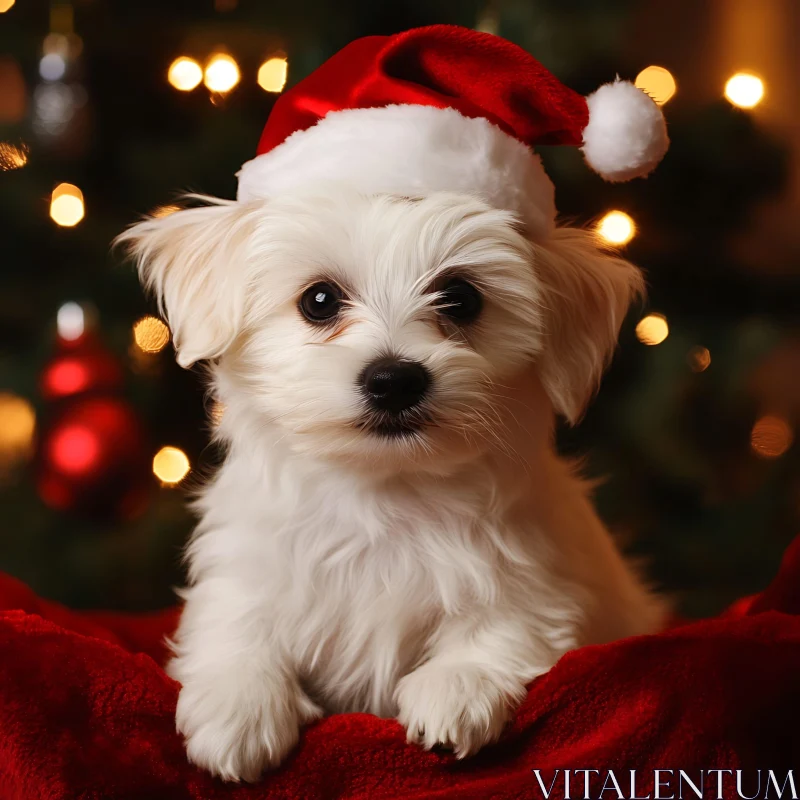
[86,712]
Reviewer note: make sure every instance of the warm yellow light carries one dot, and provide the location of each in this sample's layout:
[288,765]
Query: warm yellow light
[272,74]
[616,227]
[5,5]
[170,465]
[657,82]
[653,329]
[185,74]
[66,205]
[771,436]
[17,424]
[150,334]
[488,20]
[164,211]
[222,73]
[744,90]
[12,157]
[56,43]
[699,359]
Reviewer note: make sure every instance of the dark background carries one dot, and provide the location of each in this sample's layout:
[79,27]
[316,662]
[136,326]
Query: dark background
[688,484]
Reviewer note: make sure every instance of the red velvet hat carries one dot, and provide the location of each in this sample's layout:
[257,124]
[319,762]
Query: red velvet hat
[445,108]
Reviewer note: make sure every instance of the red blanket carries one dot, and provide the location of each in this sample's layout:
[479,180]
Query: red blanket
[87,712]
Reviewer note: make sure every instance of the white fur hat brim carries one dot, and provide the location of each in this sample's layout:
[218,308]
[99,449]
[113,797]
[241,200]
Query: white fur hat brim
[415,150]
[408,150]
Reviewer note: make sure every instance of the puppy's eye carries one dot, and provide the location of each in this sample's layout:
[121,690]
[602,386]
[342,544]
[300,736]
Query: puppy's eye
[321,302]
[459,301]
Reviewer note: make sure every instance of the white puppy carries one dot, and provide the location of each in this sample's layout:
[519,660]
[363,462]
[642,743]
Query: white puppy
[391,531]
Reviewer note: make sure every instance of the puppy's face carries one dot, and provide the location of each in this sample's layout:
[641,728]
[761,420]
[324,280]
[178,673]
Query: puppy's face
[379,330]
[383,326]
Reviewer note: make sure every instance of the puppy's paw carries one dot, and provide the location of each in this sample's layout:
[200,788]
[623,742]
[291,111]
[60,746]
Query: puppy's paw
[462,708]
[236,733]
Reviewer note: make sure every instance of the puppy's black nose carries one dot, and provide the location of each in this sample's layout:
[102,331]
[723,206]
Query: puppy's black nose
[393,385]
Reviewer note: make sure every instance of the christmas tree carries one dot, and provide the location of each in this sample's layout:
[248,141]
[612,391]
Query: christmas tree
[108,112]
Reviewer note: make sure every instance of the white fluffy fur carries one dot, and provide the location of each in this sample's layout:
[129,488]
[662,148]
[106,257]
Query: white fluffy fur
[408,150]
[626,136]
[429,578]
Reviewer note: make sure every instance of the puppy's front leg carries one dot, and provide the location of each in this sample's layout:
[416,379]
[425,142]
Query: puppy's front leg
[476,674]
[241,706]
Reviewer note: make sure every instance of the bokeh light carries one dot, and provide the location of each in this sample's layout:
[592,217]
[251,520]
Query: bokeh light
[52,67]
[5,5]
[17,426]
[657,82]
[66,205]
[164,211]
[56,43]
[652,329]
[744,90]
[14,95]
[699,359]
[771,436]
[151,334]
[488,20]
[66,377]
[12,156]
[54,106]
[222,73]
[185,74]
[170,465]
[70,321]
[75,449]
[616,227]
[272,74]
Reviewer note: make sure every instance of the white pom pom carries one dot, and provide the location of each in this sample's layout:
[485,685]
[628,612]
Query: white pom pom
[626,136]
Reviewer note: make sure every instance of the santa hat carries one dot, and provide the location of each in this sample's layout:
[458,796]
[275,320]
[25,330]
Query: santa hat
[445,108]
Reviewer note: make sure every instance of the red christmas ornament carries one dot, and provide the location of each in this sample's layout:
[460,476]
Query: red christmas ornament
[91,455]
[92,460]
[80,367]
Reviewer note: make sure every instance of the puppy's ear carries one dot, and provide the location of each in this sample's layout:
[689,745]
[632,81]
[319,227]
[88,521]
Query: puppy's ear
[586,294]
[194,261]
